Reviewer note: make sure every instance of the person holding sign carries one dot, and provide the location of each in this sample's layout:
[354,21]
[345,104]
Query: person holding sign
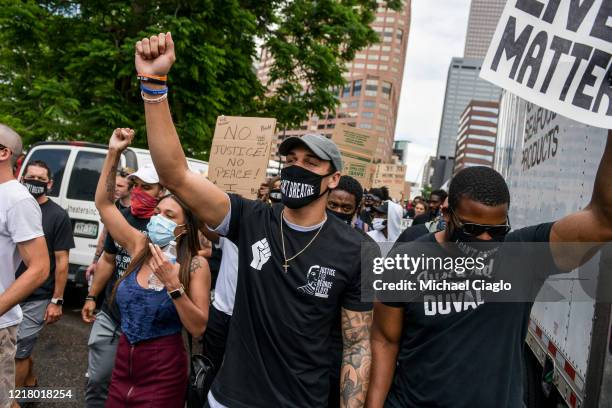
[298,268]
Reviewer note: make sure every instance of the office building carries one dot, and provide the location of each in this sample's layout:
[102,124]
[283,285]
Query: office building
[477,135]
[371,96]
[484,16]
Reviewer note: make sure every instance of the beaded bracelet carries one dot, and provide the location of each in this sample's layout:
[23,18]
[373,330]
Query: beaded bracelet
[151,91]
[156,100]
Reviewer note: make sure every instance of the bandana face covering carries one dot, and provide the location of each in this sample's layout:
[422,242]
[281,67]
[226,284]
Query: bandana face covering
[142,204]
[300,187]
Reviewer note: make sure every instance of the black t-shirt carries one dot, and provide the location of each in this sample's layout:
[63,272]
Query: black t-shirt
[278,346]
[471,358]
[413,232]
[122,261]
[58,234]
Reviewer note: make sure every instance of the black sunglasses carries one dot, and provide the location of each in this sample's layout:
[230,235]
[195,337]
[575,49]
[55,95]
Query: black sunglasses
[471,228]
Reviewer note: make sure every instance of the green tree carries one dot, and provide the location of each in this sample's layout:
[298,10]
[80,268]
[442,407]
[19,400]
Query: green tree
[67,71]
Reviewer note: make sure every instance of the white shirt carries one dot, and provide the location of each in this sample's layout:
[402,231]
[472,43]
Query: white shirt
[377,236]
[225,289]
[20,221]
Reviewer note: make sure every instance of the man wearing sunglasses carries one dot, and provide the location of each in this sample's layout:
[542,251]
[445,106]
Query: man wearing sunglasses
[469,354]
[21,238]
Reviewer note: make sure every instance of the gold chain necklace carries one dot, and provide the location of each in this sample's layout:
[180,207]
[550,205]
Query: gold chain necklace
[286,264]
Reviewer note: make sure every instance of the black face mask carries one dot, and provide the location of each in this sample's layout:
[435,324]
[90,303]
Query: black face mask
[300,187]
[36,187]
[275,195]
[471,246]
[347,218]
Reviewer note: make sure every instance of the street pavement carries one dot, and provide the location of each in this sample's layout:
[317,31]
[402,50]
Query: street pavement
[60,356]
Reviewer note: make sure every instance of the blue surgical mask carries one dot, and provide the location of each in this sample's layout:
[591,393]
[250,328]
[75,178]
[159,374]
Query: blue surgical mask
[161,230]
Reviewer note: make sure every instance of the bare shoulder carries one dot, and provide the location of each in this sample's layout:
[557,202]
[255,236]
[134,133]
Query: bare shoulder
[198,262]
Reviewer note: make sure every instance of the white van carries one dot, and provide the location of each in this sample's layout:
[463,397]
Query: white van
[75,168]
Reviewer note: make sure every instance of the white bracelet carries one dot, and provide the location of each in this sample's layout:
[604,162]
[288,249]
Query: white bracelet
[155,100]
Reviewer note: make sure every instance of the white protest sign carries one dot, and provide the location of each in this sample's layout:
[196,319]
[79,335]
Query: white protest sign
[239,153]
[556,54]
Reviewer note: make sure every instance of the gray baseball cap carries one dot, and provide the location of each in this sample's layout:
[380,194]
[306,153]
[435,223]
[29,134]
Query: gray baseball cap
[321,146]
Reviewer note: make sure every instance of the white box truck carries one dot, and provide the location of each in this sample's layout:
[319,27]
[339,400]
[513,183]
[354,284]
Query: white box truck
[550,163]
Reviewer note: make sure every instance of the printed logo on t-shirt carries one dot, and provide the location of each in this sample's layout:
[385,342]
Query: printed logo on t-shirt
[319,281]
[261,254]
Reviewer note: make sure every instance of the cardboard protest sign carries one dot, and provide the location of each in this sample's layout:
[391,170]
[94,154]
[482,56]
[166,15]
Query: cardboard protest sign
[393,176]
[357,147]
[239,153]
[556,54]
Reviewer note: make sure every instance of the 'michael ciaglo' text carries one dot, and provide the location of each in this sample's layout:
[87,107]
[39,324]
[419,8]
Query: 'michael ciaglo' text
[439,274]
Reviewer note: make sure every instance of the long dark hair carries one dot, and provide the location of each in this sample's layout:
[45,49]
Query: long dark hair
[186,248]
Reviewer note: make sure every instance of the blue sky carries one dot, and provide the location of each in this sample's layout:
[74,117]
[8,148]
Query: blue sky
[437,34]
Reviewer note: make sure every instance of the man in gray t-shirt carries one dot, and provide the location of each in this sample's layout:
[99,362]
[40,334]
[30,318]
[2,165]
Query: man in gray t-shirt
[21,238]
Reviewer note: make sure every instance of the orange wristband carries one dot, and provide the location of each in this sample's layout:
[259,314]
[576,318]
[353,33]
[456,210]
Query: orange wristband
[159,78]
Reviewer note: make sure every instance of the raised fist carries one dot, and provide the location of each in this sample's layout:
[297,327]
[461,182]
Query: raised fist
[155,55]
[121,139]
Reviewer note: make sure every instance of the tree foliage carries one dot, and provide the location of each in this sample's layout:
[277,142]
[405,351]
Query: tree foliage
[67,69]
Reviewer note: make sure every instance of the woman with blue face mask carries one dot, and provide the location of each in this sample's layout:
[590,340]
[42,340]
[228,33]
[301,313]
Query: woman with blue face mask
[157,296]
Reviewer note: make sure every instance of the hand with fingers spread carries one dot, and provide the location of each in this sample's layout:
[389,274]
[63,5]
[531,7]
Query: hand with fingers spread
[165,271]
[121,139]
[155,55]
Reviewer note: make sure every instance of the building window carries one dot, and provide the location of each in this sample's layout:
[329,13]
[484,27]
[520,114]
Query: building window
[360,56]
[374,57]
[383,67]
[359,66]
[354,104]
[369,103]
[372,66]
[380,128]
[365,126]
[384,58]
[367,114]
[346,91]
[386,48]
[386,89]
[399,34]
[357,87]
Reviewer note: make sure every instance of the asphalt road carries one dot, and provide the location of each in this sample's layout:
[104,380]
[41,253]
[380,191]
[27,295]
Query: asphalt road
[60,356]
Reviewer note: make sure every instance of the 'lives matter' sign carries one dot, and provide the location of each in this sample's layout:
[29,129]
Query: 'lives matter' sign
[556,54]
[240,152]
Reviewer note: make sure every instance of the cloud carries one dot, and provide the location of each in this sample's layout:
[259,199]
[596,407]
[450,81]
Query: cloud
[437,34]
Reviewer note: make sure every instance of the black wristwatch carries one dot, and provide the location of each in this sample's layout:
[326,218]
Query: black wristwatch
[91,297]
[177,293]
[57,301]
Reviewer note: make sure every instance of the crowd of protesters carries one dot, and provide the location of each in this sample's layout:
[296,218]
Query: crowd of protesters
[280,315]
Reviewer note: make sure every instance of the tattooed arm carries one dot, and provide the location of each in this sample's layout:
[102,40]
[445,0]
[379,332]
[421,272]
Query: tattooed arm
[122,232]
[192,306]
[357,357]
